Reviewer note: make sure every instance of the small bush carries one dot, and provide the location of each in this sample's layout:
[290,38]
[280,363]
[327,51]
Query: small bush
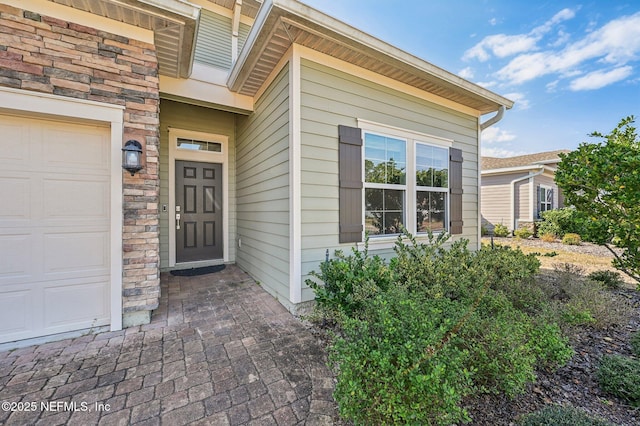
[609,279]
[558,415]
[620,376]
[344,282]
[579,301]
[395,368]
[548,238]
[635,343]
[551,254]
[571,239]
[500,230]
[484,231]
[558,222]
[523,233]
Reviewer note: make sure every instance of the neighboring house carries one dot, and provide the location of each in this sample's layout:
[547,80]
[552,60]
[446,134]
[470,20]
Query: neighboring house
[515,190]
[271,133]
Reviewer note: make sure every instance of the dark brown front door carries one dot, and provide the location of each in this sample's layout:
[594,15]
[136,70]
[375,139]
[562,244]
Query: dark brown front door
[199,204]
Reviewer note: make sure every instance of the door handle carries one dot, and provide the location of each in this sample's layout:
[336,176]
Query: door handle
[177,220]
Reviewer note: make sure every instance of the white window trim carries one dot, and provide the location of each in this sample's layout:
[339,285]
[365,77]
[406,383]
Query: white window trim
[411,138]
[540,202]
[176,153]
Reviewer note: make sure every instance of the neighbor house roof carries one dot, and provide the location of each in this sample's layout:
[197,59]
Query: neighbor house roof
[281,23]
[522,161]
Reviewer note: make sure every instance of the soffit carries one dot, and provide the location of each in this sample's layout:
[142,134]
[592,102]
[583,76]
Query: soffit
[173,22]
[288,22]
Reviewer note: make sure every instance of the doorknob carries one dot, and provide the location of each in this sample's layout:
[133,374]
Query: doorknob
[177,217]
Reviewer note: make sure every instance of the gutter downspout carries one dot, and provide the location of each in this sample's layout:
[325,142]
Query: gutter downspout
[493,120]
[481,126]
[513,194]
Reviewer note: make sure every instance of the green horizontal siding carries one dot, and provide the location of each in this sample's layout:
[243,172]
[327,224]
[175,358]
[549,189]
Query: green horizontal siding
[263,189]
[330,97]
[213,45]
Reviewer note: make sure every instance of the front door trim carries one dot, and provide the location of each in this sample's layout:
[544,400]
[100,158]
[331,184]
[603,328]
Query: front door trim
[204,157]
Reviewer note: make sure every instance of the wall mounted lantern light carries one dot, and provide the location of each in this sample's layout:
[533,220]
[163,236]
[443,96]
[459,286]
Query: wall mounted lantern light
[132,156]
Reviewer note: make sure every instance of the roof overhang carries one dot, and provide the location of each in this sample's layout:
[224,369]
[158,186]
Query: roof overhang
[519,169]
[281,23]
[173,22]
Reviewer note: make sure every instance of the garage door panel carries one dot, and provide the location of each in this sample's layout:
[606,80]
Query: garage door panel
[15,194]
[70,199]
[89,150]
[55,227]
[78,253]
[15,312]
[15,252]
[14,146]
[83,304]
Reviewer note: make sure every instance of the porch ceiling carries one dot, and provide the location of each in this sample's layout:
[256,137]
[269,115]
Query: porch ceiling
[173,22]
[282,23]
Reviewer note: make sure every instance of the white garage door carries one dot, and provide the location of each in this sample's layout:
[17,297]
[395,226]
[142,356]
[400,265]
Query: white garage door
[54,227]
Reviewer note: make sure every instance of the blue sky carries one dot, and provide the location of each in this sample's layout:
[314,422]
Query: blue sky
[571,67]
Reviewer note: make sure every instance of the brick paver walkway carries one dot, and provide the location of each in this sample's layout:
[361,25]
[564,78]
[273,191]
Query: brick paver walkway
[219,351]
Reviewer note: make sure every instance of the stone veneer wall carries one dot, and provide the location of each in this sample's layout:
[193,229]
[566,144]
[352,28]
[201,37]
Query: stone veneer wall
[44,54]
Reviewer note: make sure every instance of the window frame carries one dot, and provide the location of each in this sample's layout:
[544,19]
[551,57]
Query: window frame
[543,200]
[412,139]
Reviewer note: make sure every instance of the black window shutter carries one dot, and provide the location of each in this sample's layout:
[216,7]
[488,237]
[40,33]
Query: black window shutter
[350,164]
[455,190]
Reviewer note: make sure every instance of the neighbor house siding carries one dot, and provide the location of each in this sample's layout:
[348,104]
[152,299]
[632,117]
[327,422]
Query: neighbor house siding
[330,97]
[73,60]
[262,189]
[496,199]
[194,118]
[213,46]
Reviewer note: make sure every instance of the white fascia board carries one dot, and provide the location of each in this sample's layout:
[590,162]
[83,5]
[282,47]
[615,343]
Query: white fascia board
[516,169]
[177,7]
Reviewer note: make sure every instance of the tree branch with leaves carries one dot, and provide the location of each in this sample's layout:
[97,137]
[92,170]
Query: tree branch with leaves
[602,181]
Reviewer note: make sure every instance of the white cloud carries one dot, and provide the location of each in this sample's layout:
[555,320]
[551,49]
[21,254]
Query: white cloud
[503,45]
[616,43]
[496,135]
[521,102]
[493,22]
[599,79]
[499,152]
[551,87]
[466,73]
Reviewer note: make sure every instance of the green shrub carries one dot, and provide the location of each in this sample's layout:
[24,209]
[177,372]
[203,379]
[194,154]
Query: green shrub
[500,230]
[344,282]
[609,279]
[571,239]
[635,343]
[620,376]
[396,368]
[558,415]
[435,324]
[523,233]
[484,231]
[558,222]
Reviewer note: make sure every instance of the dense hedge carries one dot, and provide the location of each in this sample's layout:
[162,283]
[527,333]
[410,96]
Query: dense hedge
[435,324]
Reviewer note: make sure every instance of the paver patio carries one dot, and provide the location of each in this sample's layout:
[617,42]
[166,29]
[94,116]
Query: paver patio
[218,351]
